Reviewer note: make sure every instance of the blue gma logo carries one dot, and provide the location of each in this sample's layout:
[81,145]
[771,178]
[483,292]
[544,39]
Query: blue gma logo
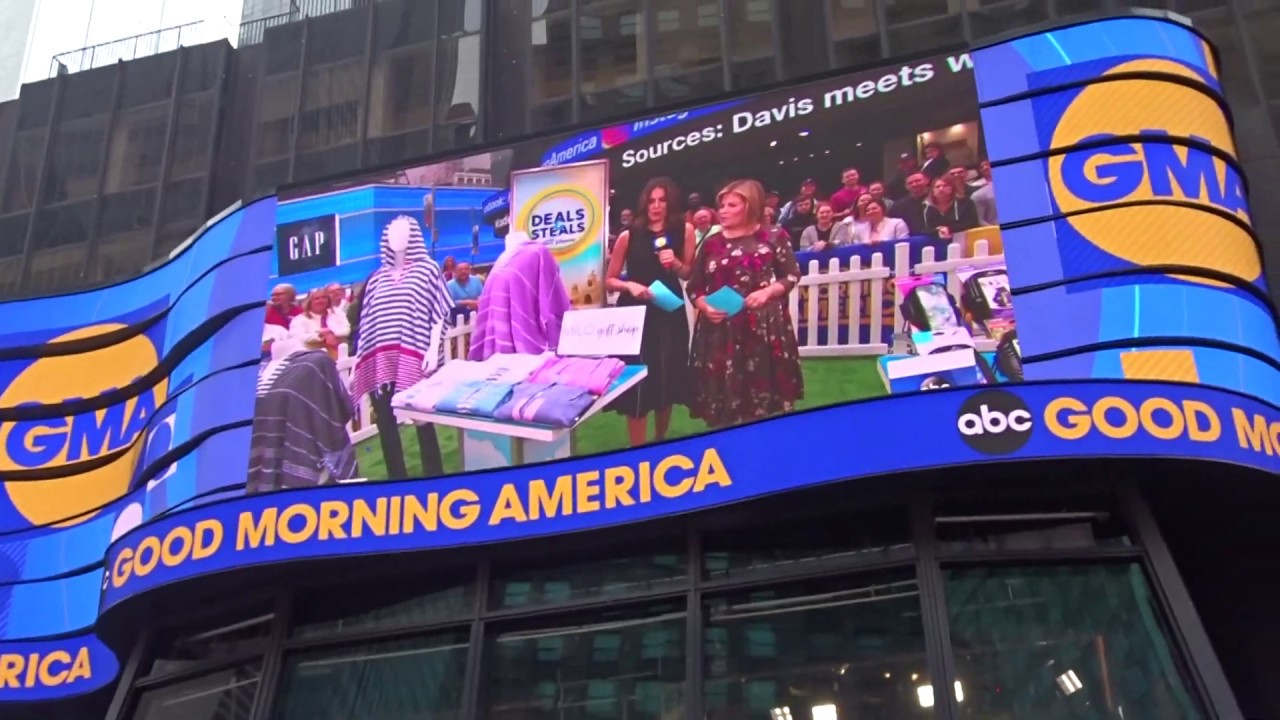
[62,441]
[1111,180]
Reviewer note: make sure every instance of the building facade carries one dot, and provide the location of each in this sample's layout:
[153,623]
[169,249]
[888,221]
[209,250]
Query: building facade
[108,169]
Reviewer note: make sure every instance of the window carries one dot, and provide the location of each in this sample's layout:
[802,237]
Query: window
[137,147]
[382,604]
[898,12]
[75,156]
[1029,524]
[872,536]
[413,678]
[926,35]
[192,136]
[220,640]
[751,26]
[458,79]
[995,18]
[24,170]
[854,31]
[614,664]
[124,234]
[148,80]
[331,103]
[223,695]
[613,58]
[687,57]
[847,647]
[525,586]
[1062,641]
[401,96]
[275,117]
[551,58]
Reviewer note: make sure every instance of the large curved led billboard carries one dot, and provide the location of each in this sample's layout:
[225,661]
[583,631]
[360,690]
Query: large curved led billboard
[950,261]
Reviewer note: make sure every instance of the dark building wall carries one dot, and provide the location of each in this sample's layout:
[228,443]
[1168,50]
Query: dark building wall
[107,170]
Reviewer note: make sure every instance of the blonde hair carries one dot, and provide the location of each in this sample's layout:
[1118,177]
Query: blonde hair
[751,192]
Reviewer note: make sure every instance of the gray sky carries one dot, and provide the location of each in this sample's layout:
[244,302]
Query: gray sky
[62,25]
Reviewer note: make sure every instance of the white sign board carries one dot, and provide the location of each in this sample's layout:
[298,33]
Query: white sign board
[603,331]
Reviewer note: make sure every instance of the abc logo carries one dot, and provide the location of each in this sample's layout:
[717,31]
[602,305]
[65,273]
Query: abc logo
[995,422]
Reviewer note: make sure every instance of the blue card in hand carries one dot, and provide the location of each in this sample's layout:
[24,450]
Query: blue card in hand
[664,298]
[726,300]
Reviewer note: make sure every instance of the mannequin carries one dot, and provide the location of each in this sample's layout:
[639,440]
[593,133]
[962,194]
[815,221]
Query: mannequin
[405,302]
[523,302]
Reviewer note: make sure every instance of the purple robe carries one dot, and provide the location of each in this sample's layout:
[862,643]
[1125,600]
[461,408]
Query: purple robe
[522,306]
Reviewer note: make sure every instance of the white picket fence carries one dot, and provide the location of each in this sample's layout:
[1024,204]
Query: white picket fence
[846,285]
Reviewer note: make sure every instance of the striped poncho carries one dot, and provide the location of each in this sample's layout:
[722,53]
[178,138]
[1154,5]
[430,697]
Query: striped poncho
[398,315]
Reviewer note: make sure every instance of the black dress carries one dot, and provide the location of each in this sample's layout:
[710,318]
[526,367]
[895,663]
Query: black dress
[664,347]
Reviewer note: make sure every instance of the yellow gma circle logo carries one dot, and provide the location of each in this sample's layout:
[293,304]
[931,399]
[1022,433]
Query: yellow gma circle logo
[63,441]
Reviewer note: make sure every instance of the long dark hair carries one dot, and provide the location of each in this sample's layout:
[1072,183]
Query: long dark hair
[675,203]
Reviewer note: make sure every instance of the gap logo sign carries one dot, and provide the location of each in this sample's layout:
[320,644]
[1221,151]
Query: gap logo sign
[307,245]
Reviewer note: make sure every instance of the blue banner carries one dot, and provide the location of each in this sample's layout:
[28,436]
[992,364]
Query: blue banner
[963,427]
[55,669]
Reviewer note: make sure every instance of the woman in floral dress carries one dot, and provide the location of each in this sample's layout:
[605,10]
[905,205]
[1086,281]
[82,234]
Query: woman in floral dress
[745,367]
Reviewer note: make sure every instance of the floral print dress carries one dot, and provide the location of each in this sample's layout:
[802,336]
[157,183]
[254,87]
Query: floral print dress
[745,367]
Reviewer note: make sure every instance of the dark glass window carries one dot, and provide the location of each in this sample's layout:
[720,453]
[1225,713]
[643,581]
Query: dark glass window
[687,58]
[457,88]
[276,101]
[137,147]
[614,664]
[148,80]
[1068,8]
[1081,641]
[35,102]
[400,98]
[380,151]
[24,170]
[224,695]
[751,41]
[75,157]
[336,37]
[223,639]
[927,35]
[413,678]
[13,234]
[202,68]
[332,98]
[284,48]
[459,16]
[898,12]
[1013,524]
[819,649]
[855,31]
[525,585]
[883,535]
[611,33]
[996,18]
[382,604]
[124,234]
[551,59]
[183,200]
[192,135]
[59,225]
[403,22]
[88,93]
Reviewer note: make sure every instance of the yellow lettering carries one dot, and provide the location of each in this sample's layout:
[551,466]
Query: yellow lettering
[309,522]
[712,471]
[587,491]
[1073,426]
[208,539]
[1100,419]
[251,534]
[660,476]
[48,677]
[1198,413]
[1162,432]
[646,483]
[393,524]
[509,506]
[80,668]
[373,518]
[333,515]
[558,502]
[33,665]
[618,482]
[466,512]
[415,513]
[122,568]
[168,555]
[1257,435]
[11,669]
[143,565]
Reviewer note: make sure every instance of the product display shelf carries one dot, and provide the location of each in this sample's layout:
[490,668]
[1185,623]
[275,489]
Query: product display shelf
[486,443]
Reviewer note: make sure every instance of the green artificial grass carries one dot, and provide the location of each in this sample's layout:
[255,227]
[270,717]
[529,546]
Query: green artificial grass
[827,381]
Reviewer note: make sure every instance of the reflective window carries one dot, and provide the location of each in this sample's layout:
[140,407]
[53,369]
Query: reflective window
[413,678]
[524,586]
[614,665]
[551,58]
[1012,525]
[458,79]
[223,695]
[1067,8]
[820,649]
[751,42]
[193,132]
[933,33]
[854,31]
[276,103]
[898,12]
[137,146]
[24,170]
[380,605]
[228,638]
[75,156]
[872,536]
[612,35]
[1081,641]
[999,17]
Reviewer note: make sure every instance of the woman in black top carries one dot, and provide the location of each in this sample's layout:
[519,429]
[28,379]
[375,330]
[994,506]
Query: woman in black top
[659,246]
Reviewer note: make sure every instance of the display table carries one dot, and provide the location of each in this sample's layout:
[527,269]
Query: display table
[486,443]
[912,384]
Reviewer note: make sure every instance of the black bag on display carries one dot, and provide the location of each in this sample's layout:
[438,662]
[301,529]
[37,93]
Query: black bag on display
[930,307]
[1009,356]
[986,293]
